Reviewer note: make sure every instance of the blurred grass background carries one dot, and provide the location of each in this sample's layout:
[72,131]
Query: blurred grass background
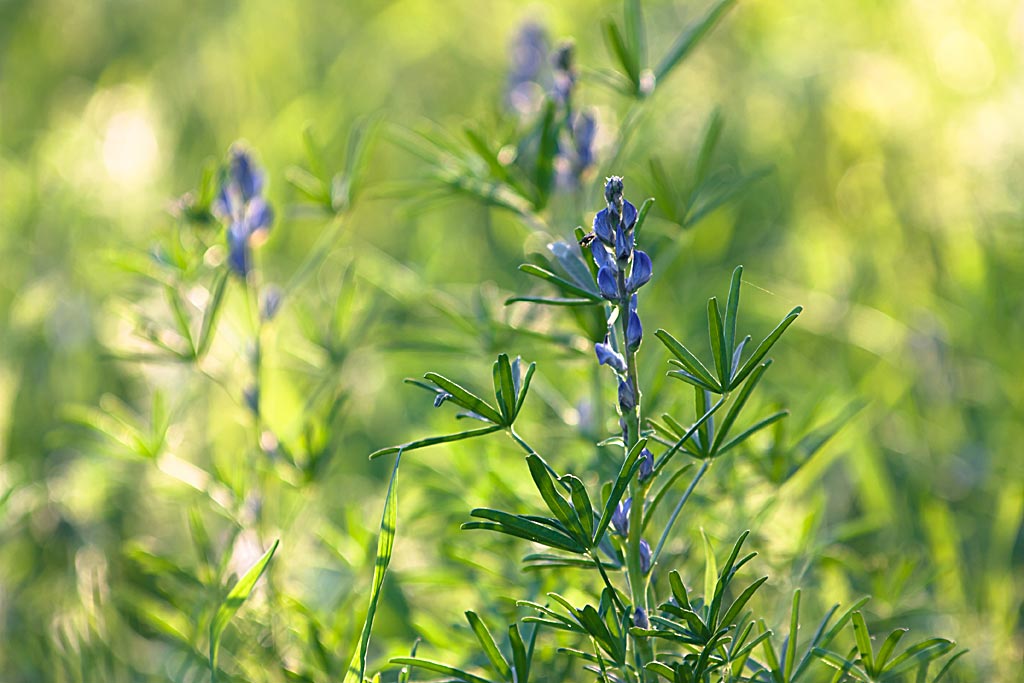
[892,214]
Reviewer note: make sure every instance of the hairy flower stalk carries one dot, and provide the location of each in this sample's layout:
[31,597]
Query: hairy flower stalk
[622,270]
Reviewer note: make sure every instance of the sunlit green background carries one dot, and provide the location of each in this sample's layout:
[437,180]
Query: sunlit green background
[892,213]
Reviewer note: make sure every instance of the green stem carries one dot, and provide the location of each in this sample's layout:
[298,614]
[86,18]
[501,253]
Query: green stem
[675,513]
[607,581]
[638,491]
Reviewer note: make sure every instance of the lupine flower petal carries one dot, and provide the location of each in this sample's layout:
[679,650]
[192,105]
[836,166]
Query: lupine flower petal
[629,214]
[607,284]
[623,243]
[646,465]
[584,130]
[645,556]
[634,332]
[606,355]
[603,227]
[613,190]
[601,256]
[620,518]
[641,273]
[627,397]
[640,619]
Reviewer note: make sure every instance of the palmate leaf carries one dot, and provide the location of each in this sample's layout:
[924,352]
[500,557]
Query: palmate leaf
[689,39]
[385,545]
[438,667]
[567,288]
[490,648]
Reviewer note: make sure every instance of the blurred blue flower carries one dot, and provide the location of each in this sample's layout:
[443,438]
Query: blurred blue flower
[640,619]
[529,56]
[241,205]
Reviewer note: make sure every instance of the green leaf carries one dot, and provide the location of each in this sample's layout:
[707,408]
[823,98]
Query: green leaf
[523,389]
[498,662]
[712,134]
[888,646]
[180,318]
[863,639]
[504,388]
[521,527]
[438,667]
[630,465]
[618,49]
[842,664]
[465,398]
[548,148]
[642,216]
[689,39]
[434,440]
[731,311]
[737,406]
[210,316]
[635,32]
[520,655]
[747,433]
[734,610]
[918,654]
[581,504]
[663,492]
[568,256]
[233,602]
[563,284]
[719,350]
[550,301]
[765,346]
[558,505]
[794,626]
[688,360]
[385,545]
[710,568]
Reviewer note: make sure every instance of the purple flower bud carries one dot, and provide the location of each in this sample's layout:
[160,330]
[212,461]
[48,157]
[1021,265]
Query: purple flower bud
[607,284]
[641,272]
[606,355]
[604,227]
[627,397]
[634,332]
[623,243]
[640,619]
[646,465]
[613,190]
[645,556]
[620,518]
